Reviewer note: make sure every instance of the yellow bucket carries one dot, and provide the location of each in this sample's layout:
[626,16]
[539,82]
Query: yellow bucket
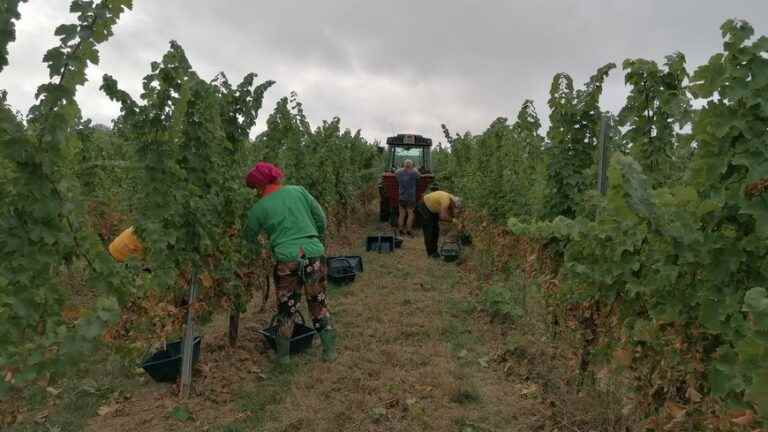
[125,245]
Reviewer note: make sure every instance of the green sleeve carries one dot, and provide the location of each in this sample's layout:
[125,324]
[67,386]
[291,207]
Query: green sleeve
[318,215]
[252,230]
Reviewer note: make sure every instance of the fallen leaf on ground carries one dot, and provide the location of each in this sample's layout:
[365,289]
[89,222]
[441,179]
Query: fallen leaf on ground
[529,390]
[378,412]
[71,313]
[675,409]
[41,417]
[623,357]
[423,388]
[693,395]
[295,425]
[106,409]
[746,419]
[391,403]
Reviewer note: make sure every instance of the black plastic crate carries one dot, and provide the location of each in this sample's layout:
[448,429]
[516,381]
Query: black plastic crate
[343,269]
[380,243]
[450,252]
[301,340]
[165,365]
[353,262]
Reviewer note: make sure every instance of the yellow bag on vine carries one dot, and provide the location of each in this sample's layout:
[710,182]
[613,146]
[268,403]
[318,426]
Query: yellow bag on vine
[125,245]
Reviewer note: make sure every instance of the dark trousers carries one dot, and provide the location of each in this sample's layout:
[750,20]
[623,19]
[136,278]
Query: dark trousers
[288,289]
[431,226]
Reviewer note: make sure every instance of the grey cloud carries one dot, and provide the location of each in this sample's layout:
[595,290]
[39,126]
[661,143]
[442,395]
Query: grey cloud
[390,66]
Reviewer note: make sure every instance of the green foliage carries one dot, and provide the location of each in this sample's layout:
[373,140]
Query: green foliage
[657,106]
[181,414]
[573,134]
[188,135]
[504,302]
[172,165]
[41,233]
[499,163]
[688,261]
[498,170]
[9,12]
[334,165]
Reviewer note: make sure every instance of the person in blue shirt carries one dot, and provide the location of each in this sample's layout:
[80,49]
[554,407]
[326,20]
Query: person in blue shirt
[407,180]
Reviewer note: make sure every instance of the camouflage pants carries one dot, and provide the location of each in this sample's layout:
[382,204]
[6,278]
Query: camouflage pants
[289,285]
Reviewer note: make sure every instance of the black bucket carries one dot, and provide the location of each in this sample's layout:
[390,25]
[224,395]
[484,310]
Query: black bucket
[343,269]
[301,340]
[450,252]
[165,365]
[380,243]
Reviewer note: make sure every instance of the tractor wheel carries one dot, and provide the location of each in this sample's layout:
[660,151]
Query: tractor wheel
[394,213]
[384,210]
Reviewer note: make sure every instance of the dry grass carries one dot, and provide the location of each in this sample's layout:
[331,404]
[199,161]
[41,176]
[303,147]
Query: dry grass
[415,354]
[405,363]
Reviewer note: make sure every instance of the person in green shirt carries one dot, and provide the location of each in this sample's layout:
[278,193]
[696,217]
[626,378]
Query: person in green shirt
[295,224]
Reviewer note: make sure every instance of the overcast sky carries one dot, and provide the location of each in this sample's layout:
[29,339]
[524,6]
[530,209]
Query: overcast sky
[387,66]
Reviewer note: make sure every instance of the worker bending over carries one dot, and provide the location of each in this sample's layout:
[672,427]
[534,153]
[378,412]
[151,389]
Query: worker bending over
[295,224]
[435,207]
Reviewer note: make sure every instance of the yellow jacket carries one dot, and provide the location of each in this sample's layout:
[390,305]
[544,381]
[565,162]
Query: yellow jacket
[437,201]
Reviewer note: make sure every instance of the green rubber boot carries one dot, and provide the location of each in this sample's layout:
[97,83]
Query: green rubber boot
[328,340]
[283,349]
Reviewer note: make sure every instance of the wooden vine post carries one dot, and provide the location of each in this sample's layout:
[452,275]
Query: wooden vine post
[602,155]
[234,325]
[589,321]
[188,345]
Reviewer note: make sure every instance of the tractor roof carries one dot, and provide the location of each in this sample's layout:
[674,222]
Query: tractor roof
[409,140]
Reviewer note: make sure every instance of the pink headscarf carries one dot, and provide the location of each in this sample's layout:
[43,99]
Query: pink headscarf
[263,174]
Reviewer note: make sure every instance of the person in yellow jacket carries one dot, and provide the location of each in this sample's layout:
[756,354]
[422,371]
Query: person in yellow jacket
[435,207]
[125,245]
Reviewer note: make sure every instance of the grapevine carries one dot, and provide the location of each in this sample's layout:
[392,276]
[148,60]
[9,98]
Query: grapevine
[40,230]
[668,271]
[172,165]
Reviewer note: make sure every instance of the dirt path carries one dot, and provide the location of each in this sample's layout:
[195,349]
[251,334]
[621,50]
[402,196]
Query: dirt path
[413,356]
[409,358]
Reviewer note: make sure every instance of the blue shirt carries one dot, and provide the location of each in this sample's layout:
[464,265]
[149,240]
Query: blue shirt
[406,182]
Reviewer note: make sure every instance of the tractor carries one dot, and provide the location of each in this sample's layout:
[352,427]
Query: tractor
[399,148]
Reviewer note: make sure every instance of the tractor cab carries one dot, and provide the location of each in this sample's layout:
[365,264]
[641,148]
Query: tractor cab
[404,147]
[399,149]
